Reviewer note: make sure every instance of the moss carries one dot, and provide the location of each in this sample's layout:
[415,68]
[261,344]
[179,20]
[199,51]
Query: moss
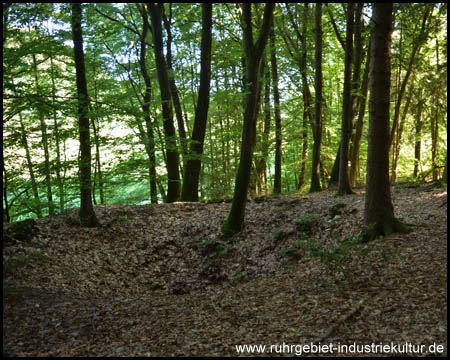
[228,230]
[22,230]
[373,231]
[336,209]
[402,227]
[343,193]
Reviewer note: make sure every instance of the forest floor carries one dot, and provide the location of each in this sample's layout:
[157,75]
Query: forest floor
[158,280]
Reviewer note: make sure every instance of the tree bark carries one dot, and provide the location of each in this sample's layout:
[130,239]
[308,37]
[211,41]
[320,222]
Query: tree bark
[253,54]
[418,135]
[148,134]
[379,211]
[360,122]
[174,89]
[315,172]
[87,214]
[6,217]
[419,41]
[193,164]
[276,102]
[48,183]
[344,182]
[173,173]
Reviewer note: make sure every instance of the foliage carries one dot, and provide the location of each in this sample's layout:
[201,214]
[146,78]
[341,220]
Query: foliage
[41,31]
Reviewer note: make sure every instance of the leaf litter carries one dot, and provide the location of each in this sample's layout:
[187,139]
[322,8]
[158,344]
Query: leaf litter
[158,280]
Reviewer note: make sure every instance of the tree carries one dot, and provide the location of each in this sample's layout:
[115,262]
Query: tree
[300,56]
[418,42]
[344,182]
[193,165]
[253,54]
[173,173]
[276,101]
[87,214]
[378,211]
[317,133]
[173,86]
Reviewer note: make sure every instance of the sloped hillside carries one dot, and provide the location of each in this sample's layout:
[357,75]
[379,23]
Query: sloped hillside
[158,280]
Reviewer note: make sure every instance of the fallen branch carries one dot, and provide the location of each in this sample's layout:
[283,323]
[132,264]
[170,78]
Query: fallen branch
[342,319]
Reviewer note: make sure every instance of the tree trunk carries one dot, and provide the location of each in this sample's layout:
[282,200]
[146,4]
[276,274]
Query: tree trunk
[148,134]
[174,89]
[399,132]
[261,161]
[173,173]
[276,101]
[379,211]
[419,41]
[360,122]
[315,173]
[444,175]
[418,135]
[48,183]
[253,53]
[59,179]
[6,217]
[193,165]
[34,187]
[87,214]
[344,182]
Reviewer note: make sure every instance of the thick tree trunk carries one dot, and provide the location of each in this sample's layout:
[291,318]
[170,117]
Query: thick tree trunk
[87,215]
[379,211]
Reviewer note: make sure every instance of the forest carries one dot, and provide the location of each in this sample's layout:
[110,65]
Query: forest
[238,160]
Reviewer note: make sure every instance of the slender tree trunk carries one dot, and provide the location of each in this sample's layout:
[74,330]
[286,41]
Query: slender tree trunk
[356,77]
[48,183]
[344,183]
[34,187]
[147,134]
[59,179]
[87,214]
[420,40]
[360,122]
[173,188]
[253,53]
[276,102]
[399,132]
[6,217]
[315,172]
[194,163]
[261,161]
[96,129]
[444,175]
[174,89]
[418,135]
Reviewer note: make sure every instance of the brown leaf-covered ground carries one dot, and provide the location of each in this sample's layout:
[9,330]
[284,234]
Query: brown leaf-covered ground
[157,280]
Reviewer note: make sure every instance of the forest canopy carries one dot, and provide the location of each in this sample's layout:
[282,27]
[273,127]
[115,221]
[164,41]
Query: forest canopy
[144,136]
